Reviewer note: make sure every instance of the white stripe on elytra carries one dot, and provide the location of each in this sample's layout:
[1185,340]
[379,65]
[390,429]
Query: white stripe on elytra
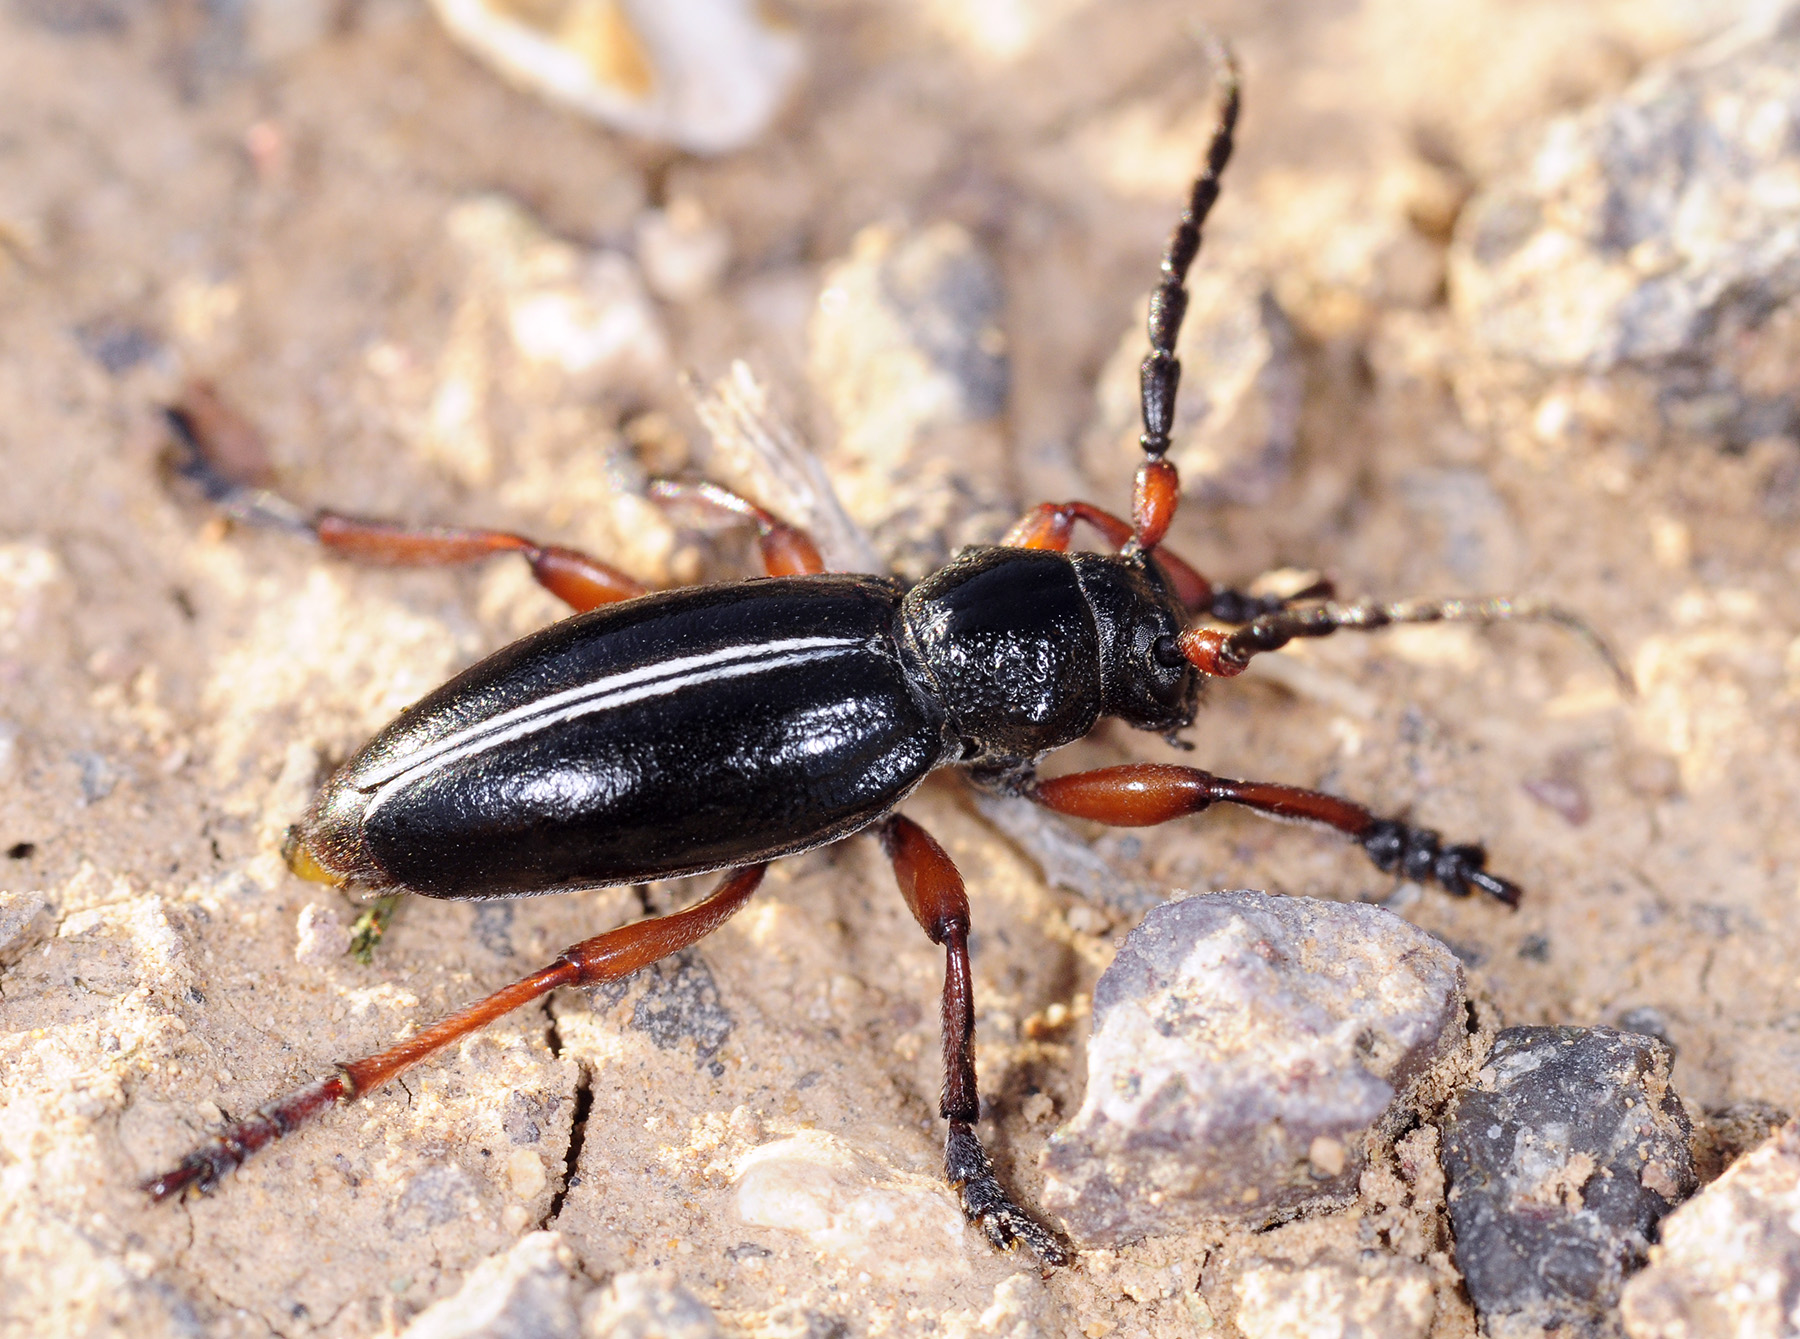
[613,690]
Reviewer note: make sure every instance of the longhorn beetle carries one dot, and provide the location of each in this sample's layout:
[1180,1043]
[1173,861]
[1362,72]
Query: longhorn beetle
[674,732]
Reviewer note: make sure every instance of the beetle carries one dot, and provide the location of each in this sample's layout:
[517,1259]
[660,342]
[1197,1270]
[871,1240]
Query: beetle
[676,732]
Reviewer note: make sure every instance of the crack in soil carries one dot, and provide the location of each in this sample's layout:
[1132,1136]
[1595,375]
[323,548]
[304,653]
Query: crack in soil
[584,1105]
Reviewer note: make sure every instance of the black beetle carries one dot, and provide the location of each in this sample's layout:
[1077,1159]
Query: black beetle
[721,727]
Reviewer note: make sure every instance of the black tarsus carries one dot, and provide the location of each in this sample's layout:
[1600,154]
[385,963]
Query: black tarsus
[188,459]
[985,1201]
[1418,854]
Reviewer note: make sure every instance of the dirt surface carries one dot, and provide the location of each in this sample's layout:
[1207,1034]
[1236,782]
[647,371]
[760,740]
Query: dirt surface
[178,201]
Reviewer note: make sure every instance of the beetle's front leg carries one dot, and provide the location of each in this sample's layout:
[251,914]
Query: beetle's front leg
[934,890]
[1141,794]
[1051,525]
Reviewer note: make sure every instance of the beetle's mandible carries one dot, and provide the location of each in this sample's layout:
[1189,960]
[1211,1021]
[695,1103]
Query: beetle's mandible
[668,733]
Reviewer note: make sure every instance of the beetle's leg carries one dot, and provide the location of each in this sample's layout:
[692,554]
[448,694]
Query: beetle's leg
[578,580]
[934,890]
[1223,654]
[606,957]
[1051,525]
[581,581]
[1140,795]
[786,550]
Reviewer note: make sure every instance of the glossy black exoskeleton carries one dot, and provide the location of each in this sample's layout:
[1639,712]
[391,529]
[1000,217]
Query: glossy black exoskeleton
[721,726]
[670,733]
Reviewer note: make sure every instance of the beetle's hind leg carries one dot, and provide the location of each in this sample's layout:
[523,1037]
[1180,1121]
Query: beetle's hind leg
[1141,794]
[202,426]
[934,890]
[617,953]
[210,452]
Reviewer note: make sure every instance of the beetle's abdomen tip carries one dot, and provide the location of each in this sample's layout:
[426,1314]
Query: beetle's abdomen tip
[328,844]
[302,861]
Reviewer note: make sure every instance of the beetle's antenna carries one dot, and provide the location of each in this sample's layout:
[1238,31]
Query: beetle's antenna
[1157,488]
[1224,653]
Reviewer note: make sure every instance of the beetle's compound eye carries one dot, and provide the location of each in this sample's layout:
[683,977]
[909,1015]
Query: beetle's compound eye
[1166,651]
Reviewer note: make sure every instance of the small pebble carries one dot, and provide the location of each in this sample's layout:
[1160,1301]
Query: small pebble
[24,920]
[649,1305]
[683,253]
[1373,1296]
[527,1292]
[1247,1050]
[1728,1266]
[582,312]
[853,1208]
[705,75]
[525,1172]
[1562,1158]
[1326,1155]
[320,935]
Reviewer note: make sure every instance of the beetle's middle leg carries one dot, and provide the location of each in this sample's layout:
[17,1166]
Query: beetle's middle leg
[934,890]
[786,549]
[617,953]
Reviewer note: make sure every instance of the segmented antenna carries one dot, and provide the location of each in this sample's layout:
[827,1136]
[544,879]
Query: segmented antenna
[1223,653]
[1160,372]
[1156,491]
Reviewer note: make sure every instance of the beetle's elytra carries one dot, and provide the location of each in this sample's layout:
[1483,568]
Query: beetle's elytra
[718,728]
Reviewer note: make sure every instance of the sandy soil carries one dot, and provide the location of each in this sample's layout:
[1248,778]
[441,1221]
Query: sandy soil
[174,203]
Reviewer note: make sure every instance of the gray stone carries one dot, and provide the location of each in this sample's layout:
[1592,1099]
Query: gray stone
[1238,416]
[1562,1157]
[1728,1266]
[436,1196]
[649,1305]
[528,1292]
[1247,1052]
[1657,236]
[25,921]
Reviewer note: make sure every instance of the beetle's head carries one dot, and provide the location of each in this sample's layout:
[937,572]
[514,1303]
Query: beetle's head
[1145,680]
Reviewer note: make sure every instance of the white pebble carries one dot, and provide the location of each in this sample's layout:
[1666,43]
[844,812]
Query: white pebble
[707,75]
